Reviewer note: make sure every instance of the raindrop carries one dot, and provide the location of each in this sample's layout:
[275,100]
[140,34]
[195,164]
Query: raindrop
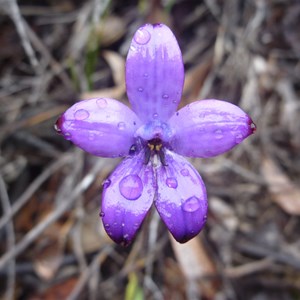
[102,214]
[91,136]
[218,134]
[146,75]
[165,96]
[171,182]
[191,204]
[106,225]
[67,136]
[238,138]
[203,114]
[185,172]
[106,183]
[155,116]
[121,125]
[253,127]
[140,89]
[132,149]
[131,187]
[102,103]
[81,114]
[57,128]
[142,36]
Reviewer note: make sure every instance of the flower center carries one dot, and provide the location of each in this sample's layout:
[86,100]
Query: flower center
[155,147]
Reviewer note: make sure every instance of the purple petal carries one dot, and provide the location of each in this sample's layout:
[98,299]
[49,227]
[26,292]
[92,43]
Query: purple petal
[103,127]
[154,73]
[127,197]
[208,128]
[181,199]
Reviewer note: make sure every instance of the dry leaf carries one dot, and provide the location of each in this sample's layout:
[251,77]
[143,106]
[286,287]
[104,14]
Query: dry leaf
[285,193]
[49,250]
[117,66]
[195,264]
[110,30]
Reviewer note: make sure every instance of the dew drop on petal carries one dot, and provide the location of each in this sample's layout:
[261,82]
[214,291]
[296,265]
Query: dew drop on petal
[155,116]
[121,125]
[218,134]
[102,103]
[106,183]
[81,114]
[67,136]
[238,138]
[142,36]
[171,182]
[57,129]
[253,127]
[191,204]
[140,89]
[102,214]
[185,172]
[146,75]
[131,187]
[165,96]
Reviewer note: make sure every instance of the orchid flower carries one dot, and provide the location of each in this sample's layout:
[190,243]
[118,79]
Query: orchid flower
[153,138]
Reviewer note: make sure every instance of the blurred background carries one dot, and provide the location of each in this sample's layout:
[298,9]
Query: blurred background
[53,246]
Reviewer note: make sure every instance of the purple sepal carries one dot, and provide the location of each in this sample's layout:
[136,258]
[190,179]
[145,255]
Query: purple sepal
[154,73]
[103,127]
[208,128]
[127,197]
[181,197]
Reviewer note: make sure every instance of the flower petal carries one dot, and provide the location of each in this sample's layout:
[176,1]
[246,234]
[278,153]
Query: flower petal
[103,127]
[181,198]
[127,197]
[208,128]
[154,73]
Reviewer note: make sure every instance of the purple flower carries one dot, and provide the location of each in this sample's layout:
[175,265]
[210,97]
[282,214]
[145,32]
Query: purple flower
[152,137]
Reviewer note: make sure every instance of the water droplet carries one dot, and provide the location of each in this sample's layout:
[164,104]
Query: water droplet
[140,89]
[81,114]
[203,114]
[102,103]
[56,128]
[121,125]
[106,225]
[102,214]
[218,134]
[238,138]
[142,36]
[185,172]
[67,136]
[191,204]
[131,187]
[146,75]
[155,116]
[132,48]
[165,96]
[132,149]
[253,127]
[106,183]
[91,136]
[171,182]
